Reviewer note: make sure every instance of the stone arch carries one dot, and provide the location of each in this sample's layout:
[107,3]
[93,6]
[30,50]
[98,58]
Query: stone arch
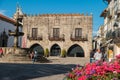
[55,50]
[37,47]
[75,51]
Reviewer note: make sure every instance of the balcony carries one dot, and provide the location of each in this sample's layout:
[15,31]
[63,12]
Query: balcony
[35,38]
[116,36]
[118,12]
[109,35]
[78,38]
[104,13]
[56,38]
[109,14]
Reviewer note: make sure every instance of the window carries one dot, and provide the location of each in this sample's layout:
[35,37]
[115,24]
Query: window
[78,32]
[34,32]
[119,33]
[56,32]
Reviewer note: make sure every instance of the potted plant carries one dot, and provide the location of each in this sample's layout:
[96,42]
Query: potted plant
[63,53]
[46,54]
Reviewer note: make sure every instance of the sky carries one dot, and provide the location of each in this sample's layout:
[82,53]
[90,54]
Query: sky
[95,7]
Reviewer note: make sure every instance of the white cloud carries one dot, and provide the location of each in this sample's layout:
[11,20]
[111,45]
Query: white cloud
[2,12]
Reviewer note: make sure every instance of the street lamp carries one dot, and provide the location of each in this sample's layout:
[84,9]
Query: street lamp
[16,33]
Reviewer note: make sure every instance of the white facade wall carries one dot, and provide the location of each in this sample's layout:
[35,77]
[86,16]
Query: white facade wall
[7,26]
[113,7]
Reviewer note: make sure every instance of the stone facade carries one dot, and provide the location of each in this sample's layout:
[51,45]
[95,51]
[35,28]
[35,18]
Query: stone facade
[67,23]
[64,30]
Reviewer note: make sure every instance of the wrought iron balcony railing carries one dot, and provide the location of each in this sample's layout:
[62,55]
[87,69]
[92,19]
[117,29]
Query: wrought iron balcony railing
[109,35]
[104,13]
[116,35]
[79,38]
[56,38]
[35,38]
[118,12]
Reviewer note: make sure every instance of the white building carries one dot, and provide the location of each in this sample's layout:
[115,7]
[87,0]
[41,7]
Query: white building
[98,39]
[112,27]
[6,24]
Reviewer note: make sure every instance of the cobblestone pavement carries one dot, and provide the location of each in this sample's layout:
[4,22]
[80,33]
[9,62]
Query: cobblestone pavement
[55,70]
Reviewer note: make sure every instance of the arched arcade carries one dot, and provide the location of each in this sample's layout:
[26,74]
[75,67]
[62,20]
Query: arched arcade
[55,50]
[37,47]
[75,51]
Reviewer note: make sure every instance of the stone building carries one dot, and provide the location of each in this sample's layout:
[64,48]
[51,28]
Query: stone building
[57,32]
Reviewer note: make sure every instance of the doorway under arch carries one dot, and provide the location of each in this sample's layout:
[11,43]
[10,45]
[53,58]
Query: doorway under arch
[75,51]
[37,47]
[55,50]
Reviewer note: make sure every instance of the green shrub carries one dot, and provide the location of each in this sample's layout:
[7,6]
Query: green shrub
[63,53]
[46,54]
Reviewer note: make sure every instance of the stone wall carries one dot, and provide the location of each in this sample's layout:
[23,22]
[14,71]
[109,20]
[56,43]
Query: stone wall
[12,50]
[65,22]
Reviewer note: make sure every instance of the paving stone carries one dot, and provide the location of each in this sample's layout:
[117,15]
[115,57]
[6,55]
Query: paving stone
[25,70]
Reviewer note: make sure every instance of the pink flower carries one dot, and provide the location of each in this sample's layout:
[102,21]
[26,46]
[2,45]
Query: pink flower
[82,78]
[118,56]
[95,69]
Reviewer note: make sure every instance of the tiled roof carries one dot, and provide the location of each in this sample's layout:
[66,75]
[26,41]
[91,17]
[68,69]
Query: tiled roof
[104,13]
[2,17]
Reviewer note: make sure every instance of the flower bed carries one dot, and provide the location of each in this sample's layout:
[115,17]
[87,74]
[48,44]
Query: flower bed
[96,71]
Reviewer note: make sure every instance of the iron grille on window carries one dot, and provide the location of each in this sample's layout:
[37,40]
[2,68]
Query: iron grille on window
[78,35]
[56,35]
[56,32]
[78,32]
[34,35]
[34,32]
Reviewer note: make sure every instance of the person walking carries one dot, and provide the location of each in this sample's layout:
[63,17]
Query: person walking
[31,55]
[1,52]
[98,55]
[35,56]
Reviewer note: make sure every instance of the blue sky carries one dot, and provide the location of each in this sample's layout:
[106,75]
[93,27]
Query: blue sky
[8,8]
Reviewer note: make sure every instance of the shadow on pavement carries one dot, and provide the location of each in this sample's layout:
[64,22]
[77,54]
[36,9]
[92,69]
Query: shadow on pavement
[17,71]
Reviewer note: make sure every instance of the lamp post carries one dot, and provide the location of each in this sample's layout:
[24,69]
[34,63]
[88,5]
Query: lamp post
[16,33]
